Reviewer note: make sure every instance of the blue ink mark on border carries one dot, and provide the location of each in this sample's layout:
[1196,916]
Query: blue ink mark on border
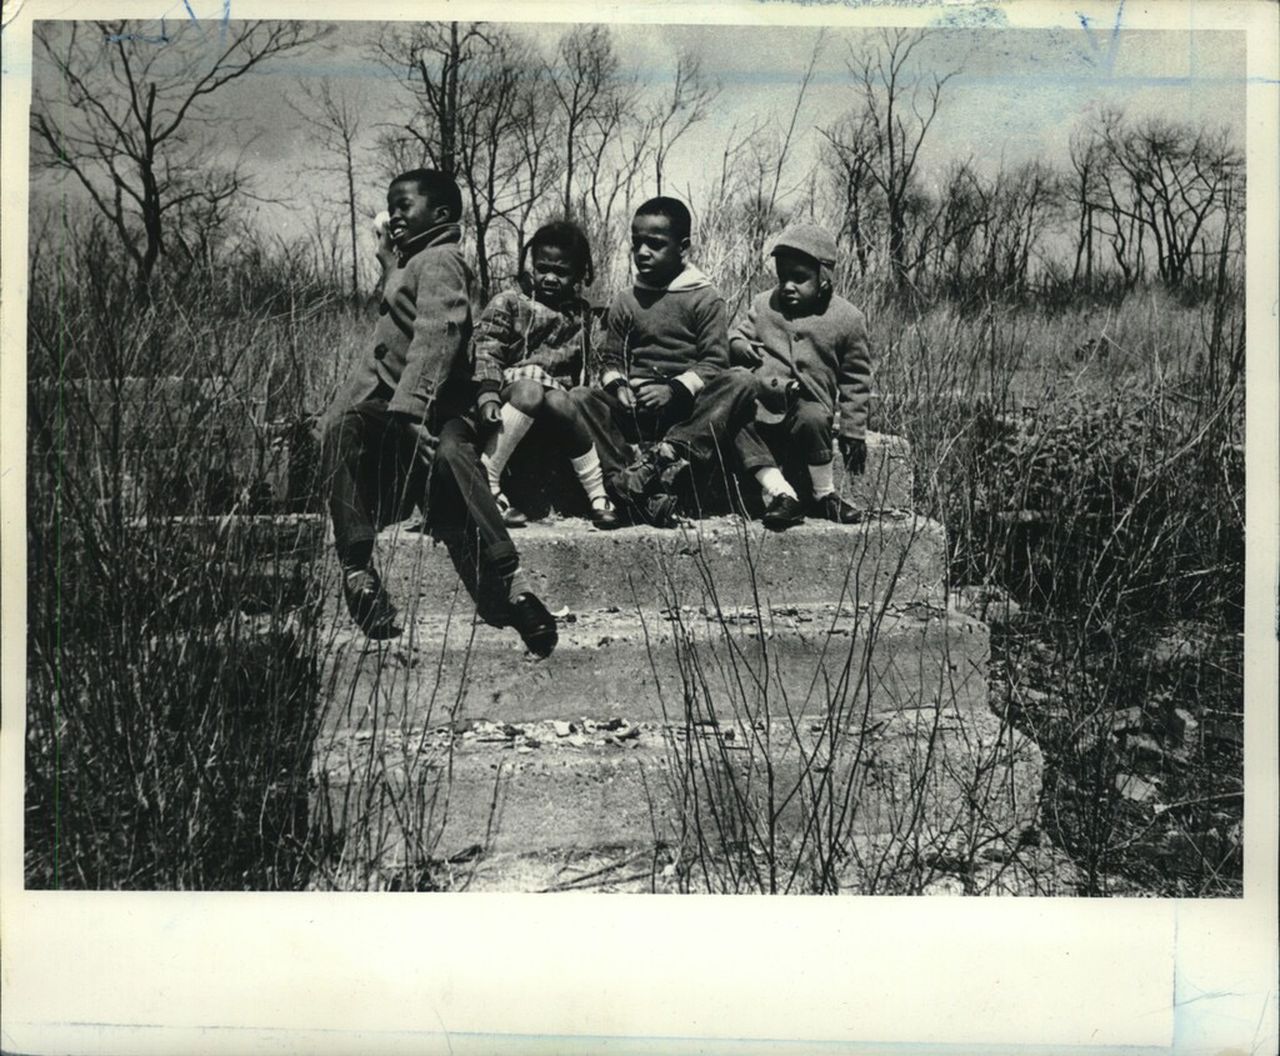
[1113,43]
[139,38]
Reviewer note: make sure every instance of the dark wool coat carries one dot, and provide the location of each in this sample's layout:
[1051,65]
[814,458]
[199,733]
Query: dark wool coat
[420,351]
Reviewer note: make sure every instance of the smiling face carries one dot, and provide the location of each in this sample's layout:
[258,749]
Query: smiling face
[799,282]
[411,211]
[658,254]
[554,275]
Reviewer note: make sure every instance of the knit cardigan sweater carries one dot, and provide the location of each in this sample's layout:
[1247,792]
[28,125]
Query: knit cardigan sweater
[827,353]
[421,341]
[678,333]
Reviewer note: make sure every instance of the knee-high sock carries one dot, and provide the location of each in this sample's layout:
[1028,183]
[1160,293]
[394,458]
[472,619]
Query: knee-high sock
[515,423]
[590,475]
[823,478]
[773,483]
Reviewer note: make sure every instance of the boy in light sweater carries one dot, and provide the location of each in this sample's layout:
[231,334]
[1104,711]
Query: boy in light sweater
[801,331]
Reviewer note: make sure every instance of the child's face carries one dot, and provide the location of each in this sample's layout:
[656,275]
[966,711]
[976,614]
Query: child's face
[411,211]
[657,253]
[554,275]
[799,281]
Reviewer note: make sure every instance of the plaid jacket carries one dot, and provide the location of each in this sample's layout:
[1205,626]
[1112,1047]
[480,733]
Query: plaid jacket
[515,331]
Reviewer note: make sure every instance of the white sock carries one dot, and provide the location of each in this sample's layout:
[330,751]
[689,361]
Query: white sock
[515,423]
[823,478]
[590,475]
[773,483]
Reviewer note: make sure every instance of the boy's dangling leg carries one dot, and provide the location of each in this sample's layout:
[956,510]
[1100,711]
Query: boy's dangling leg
[356,447]
[460,473]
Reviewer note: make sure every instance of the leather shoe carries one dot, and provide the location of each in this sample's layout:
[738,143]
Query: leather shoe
[534,623]
[604,516]
[368,604]
[782,513]
[832,507]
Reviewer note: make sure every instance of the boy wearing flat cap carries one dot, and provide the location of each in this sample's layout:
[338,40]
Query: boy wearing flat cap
[801,332]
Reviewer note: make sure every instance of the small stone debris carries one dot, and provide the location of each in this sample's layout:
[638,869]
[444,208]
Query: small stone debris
[1144,748]
[1182,724]
[1136,789]
[562,729]
[629,733]
[611,724]
[1131,718]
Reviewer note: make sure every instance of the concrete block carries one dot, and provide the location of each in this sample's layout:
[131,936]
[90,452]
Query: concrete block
[722,560]
[662,667]
[937,783]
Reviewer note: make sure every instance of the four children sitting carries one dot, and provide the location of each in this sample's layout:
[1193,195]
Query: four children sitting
[432,415]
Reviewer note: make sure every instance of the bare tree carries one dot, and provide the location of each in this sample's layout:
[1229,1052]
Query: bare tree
[1177,176]
[334,116]
[586,86]
[848,157]
[477,92]
[687,103]
[897,110]
[1082,192]
[126,118]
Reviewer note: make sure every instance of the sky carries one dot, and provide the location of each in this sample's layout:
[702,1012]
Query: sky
[1016,94]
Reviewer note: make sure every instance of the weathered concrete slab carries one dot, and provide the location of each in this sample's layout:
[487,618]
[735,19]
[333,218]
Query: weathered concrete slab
[797,661]
[737,562]
[935,782]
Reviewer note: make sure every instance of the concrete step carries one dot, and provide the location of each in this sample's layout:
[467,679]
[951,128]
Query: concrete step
[928,782]
[804,661]
[724,560]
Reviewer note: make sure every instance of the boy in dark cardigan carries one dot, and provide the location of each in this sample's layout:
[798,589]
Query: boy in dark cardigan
[399,434]
[665,376]
[802,332]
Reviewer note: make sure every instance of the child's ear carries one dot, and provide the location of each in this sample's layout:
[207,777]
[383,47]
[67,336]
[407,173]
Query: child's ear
[684,244]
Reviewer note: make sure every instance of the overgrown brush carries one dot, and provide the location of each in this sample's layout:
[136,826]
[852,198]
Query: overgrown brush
[173,665]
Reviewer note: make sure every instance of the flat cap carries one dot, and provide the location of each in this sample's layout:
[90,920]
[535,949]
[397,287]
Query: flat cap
[809,239]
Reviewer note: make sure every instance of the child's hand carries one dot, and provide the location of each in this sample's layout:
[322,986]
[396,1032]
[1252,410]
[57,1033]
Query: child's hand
[386,249]
[425,442]
[624,394]
[654,395]
[854,453]
[491,412]
[750,353]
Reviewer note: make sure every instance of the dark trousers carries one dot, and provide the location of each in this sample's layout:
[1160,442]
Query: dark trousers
[378,475]
[805,433]
[702,429]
